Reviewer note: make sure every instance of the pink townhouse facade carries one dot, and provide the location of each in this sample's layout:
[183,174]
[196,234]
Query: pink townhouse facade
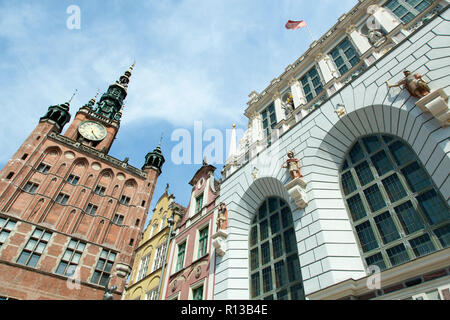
[191,262]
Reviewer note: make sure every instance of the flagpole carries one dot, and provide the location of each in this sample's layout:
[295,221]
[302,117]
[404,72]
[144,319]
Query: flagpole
[310,34]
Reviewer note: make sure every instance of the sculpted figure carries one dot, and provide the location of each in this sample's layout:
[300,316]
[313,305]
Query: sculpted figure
[222,217]
[109,291]
[414,83]
[293,166]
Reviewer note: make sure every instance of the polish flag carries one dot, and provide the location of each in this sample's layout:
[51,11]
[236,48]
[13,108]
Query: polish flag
[294,25]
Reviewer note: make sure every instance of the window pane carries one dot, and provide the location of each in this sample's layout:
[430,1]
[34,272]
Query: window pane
[401,152]
[81,246]
[416,177]
[443,235]
[293,267]
[100,264]
[372,143]
[95,277]
[297,292]
[37,233]
[381,163]
[23,257]
[262,211]
[273,204]
[72,244]
[264,230]
[364,173]
[254,259]
[366,236]
[253,236]
[76,257]
[255,285]
[40,247]
[267,279]
[282,295]
[376,259]
[104,279]
[277,247]
[394,188]
[398,254]
[31,244]
[422,245]
[33,260]
[61,267]
[386,227]
[409,217]
[67,255]
[356,207]
[46,236]
[356,154]
[374,198]
[289,240]
[265,253]
[274,223]
[348,184]
[434,208]
[286,217]
[280,274]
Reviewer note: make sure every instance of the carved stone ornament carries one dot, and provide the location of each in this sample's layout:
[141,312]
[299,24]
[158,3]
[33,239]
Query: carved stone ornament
[340,110]
[198,272]
[219,242]
[174,285]
[297,190]
[436,103]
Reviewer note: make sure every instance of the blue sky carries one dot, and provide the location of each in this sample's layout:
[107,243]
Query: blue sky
[196,60]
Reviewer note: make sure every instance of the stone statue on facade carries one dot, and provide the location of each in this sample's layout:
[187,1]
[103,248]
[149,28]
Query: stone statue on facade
[109,291]
[289,106]
[414,83]
[292,164]
[222,217]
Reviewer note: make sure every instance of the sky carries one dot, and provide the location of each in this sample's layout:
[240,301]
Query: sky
[196,62]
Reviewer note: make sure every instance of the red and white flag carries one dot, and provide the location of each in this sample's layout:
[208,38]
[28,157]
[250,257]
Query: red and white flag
[294,25]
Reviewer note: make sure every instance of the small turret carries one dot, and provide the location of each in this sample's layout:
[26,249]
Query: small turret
[154,159]
[58,114]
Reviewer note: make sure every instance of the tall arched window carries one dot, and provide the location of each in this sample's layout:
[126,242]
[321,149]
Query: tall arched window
[274,265]
[396,211]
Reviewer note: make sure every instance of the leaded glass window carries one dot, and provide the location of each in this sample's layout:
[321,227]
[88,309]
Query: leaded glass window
[406,10]
[345,56]
[396,211]
[273,255]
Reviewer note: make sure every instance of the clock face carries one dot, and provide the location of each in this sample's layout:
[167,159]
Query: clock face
[92,130]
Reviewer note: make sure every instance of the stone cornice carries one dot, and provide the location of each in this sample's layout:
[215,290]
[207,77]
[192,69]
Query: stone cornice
[316,47]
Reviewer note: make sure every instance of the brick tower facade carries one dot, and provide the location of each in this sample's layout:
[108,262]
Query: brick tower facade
[71,215]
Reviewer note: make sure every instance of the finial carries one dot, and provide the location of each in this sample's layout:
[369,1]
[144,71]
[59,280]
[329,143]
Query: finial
[160,140]
[70,100]
[234,125]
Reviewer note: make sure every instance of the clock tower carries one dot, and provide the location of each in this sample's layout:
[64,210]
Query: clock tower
[71,215]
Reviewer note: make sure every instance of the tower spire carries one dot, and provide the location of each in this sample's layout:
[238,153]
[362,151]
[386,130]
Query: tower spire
[111,102]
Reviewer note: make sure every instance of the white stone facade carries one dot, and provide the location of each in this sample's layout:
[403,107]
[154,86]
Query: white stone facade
[327,245]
